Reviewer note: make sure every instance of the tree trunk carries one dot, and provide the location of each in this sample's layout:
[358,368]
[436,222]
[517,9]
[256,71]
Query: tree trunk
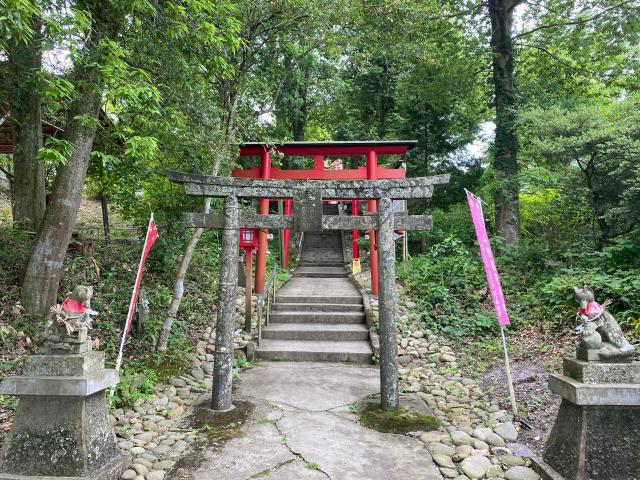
[28,188]
[105,218]
[178,286]
[505,161]
[42,275]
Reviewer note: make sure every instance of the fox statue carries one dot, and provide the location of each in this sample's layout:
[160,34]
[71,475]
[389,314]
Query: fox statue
[599,330]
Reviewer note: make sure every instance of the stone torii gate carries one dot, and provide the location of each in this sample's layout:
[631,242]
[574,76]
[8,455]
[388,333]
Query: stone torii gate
[307,196]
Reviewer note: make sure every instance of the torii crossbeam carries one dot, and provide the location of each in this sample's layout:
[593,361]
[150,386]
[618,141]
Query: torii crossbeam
[308,195]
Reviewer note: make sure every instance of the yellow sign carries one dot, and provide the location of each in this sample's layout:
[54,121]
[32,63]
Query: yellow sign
[356,266]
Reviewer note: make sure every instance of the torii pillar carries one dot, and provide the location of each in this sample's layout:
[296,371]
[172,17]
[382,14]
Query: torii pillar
[372,174]
[263,241]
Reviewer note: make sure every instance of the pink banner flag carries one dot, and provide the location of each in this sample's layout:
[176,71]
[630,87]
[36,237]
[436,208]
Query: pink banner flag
[487,258]
[149,240]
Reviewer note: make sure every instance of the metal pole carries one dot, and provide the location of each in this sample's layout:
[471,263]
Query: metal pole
[507,369]
[387,306]
[223,358]
[248,287]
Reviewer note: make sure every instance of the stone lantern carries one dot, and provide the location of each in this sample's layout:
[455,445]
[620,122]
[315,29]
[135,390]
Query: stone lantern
[61,428]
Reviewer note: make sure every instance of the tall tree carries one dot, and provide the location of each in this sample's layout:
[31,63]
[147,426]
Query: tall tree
[93,66]
[505,153]
[263,24]
[21,74]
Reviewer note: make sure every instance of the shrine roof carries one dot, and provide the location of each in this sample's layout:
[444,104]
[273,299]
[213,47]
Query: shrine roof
[351,147]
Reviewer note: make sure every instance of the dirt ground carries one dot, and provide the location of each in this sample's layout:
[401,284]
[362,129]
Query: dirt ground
[536,353]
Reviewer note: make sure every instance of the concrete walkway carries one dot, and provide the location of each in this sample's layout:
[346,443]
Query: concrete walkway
[301,428]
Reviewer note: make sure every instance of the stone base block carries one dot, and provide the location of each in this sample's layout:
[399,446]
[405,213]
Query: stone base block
[598,394]
[595,442]
[59,437]
[545,470]
[60,386]
[112,471]
[605,354]
[601,372]
[63,365]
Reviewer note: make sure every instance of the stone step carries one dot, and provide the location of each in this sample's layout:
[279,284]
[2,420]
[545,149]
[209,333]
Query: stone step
[279,316]
[314,351]
[322,251]
[335,332]
[342,299]
[315,307]
[320,263]
[320,272]
[322,260]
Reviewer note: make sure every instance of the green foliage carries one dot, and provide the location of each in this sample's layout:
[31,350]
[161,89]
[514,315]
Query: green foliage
[241,363]
[133,387]
[55,151]
[401,420]
[447,283]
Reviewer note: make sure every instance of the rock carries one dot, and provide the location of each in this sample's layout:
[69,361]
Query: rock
[443,460]
[448,472]
[480,445]
[139,468]
[197,373]
[164,465]
[481,433]
[495,440]
[430,437]
[521,473]
[175,413]
[465,450]
[178,382]
[495,471]
[446,357]
[129,475]
[137,451]
[437,448]
[475,466]
[144,437]
[459,437]
[507,431]
[511,460]
[155,475]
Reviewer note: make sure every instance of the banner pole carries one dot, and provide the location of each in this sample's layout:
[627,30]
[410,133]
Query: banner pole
[132,302]
[507,368]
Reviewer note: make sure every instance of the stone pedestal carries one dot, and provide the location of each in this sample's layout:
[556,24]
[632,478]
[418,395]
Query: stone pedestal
[598,425]
[61,427]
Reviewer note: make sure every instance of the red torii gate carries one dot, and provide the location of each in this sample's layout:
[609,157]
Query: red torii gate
[319,151]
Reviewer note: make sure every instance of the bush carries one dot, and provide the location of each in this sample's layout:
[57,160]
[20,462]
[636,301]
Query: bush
[449,285]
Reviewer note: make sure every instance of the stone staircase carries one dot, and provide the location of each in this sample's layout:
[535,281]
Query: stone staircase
[318,314]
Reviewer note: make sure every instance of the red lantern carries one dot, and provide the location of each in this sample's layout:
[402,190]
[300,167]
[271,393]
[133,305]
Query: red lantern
[249,238]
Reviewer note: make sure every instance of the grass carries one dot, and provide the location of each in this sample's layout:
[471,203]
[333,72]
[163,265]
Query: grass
[401,420]
[312,466]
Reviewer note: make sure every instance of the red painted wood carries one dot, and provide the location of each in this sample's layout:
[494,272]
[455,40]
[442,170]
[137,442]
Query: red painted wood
[372,174]
[263,209]
[359,173]
[327,151]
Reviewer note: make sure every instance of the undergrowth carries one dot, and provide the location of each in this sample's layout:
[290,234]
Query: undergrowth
[449,286]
